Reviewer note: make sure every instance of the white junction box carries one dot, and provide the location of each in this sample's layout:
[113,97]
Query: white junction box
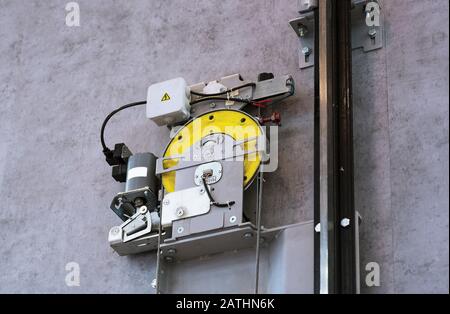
[168,102]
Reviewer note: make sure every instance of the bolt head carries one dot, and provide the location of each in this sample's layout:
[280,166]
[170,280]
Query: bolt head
[154,283]
[180,212]
[372,33]
[317,227]
[248,235]
[306,51]
[171,251]
[115,230]
[166,202]
[345,222]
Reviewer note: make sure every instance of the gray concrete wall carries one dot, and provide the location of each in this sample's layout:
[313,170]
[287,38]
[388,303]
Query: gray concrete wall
[58,83]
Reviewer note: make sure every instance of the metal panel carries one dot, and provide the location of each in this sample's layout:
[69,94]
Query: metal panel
[281,270]
[183,204]
[291,260]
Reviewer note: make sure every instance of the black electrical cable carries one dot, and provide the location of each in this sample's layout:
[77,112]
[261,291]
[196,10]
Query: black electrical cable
[211,199]
[106,150]
[245,101]
[225,92]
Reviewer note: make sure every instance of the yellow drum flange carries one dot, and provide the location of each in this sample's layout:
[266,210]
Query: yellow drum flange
[237,124]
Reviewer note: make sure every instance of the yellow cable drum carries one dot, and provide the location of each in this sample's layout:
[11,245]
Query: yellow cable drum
[236,124]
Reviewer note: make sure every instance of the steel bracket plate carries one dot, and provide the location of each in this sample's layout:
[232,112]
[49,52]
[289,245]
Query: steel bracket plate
[367,25]
[184,204]
[237,238]
[304,27]
[148,242]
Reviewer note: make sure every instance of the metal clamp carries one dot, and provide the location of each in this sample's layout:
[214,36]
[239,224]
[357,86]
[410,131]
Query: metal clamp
[304,27]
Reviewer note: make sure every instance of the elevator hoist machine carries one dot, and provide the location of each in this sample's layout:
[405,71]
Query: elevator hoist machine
[202,194]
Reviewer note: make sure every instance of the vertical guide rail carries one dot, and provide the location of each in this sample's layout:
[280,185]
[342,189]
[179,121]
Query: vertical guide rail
[316,157]
[326,157]
[335,270]
[347,233]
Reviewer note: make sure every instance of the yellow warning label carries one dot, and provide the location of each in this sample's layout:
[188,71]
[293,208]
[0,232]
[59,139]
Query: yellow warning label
[166,97]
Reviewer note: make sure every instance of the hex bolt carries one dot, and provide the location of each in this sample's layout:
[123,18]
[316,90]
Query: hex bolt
[248,235]
[317,228]
[345,222]
[180,212]
[171,251]
[166,202]
[306,51]
[372,33]
[154,283]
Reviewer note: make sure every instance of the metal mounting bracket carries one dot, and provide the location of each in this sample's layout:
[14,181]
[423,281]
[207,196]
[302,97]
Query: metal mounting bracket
[307,5]
[367,28]
[367,25]
[304,27]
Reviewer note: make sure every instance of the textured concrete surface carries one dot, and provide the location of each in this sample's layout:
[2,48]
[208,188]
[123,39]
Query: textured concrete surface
[418,85]
[401,149]
[58,83]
